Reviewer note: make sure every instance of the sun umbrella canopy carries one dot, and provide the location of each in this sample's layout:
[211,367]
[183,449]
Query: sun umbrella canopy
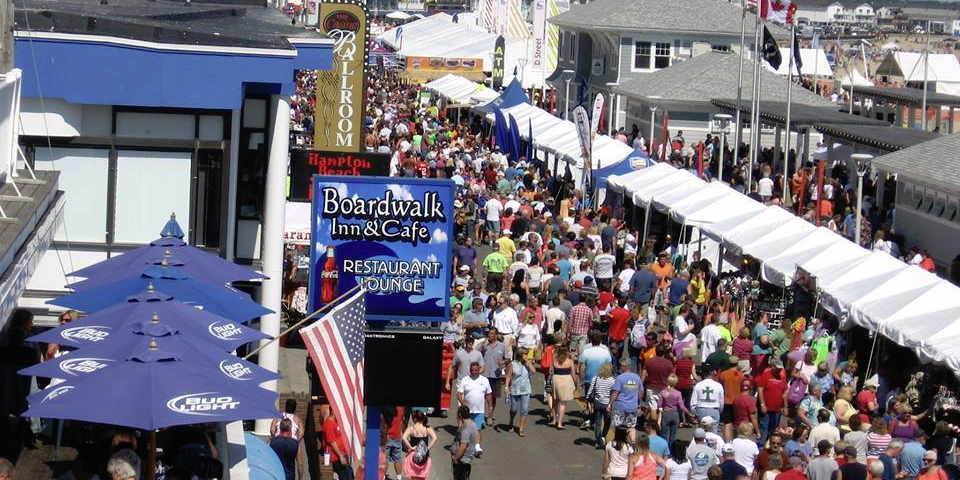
[198,268]
[153,389]
[201,324]
[222,301]
[196,263]
[137,337]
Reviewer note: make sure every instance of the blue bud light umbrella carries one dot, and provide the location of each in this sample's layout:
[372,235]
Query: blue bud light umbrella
[153,389]
[137,337]
[199,323]
[197,269]
[196,262]
[222,301]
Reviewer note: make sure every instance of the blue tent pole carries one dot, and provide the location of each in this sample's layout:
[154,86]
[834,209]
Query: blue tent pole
[371,464]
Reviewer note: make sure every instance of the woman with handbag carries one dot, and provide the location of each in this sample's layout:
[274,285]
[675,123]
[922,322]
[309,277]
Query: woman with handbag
[598,393]
[518,385]
[418,438]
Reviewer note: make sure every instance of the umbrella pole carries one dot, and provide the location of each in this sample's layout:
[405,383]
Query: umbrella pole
[305,319]
[151,472]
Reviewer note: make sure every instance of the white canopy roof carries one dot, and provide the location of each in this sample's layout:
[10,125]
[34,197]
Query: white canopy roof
[814,63]
[834,261]
[616,182]
[676,180]
[460,90]
[781,269]
[921,320]
[838,294]
[856,78]
[714,191]
[889,296]
[398,15]
[723,208]
[772,244]
[662,202]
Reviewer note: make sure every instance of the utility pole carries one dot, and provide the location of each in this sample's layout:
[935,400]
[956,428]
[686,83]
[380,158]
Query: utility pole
[6,50]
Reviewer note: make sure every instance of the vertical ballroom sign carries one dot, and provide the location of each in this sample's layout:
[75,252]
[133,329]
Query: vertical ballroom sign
[395,238]
[496,75]
[341,90]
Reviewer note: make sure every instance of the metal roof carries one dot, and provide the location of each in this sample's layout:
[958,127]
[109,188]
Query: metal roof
[886,138]
[911,96]
[686,82]
[716,17]
[227,24]
[801,116]
[933,161]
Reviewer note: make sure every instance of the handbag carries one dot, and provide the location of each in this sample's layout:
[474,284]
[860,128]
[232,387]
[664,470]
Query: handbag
[420,453]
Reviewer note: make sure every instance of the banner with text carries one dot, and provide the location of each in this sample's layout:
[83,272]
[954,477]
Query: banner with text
[304,164]
[444,64]
[340,90]
[396,238]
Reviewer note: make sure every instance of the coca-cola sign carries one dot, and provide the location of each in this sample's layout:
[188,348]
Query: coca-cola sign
[304,164]
[393,237]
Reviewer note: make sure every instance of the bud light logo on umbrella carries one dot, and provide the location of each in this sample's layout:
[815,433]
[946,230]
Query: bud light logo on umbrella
[90,333]
[224,330]
[395,237]
[204,403]
[73,366]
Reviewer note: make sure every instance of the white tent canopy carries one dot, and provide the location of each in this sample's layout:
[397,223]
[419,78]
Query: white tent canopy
[943,69]
[398,15]
[923,318]
[677,180]
[640,177]
[780,269]
[460,90]
[856,78]
[833,261]
[723,208]
[889,296]
[773,243]
[714,191]
[438,36]
[743,232]
[838,294]
[814,63]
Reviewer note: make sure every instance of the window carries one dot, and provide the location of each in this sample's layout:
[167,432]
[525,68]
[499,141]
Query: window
[150,186]
[83,179]
[662,59]
[641,55]
[720,48]
[572,54]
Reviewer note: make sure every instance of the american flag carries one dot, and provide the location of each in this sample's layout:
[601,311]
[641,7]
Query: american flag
[335,344]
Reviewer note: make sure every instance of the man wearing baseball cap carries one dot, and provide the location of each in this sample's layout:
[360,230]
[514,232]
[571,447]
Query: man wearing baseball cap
[796,469]
[852,469]
[700,456]
[731,469]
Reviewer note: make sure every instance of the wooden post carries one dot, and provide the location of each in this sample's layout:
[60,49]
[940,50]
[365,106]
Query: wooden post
[6,51]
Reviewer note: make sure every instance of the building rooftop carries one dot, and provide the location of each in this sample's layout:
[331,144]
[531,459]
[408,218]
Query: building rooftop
[716,17]
[886,138]
[685,83]
[907,95]
[801,116]
[932,161]
[234,24]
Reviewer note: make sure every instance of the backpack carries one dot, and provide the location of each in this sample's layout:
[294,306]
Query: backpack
[638,335]
[420,453]
[796,390]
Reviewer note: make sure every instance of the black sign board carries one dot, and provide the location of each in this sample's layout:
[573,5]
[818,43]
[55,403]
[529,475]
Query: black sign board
[403,368]
[497,73]
[304,164]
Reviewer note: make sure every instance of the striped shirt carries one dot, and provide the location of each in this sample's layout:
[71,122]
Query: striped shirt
[599,389]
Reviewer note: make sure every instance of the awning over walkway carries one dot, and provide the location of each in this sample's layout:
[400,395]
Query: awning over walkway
[907,96]
[887,138]
[800,115]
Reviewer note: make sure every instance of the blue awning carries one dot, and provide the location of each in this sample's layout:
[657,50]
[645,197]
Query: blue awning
[635,161]
[513,95]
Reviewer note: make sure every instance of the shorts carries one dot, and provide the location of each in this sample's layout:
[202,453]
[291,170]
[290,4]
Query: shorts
[653,400]
[624,419]
[496,384]
[520,404]
[726,415]
[493,226]
[478,420]
[394,451]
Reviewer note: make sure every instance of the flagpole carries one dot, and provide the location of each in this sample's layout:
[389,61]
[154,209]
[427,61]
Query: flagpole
[786,151]
[755,102]
[320,310]
[737,123]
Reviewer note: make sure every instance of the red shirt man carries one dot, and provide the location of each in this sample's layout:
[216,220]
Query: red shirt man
[771,385]
[333,438]
[617,321]
[745,407]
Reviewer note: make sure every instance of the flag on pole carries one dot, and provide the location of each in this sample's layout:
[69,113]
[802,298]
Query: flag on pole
[796,52]
[780,11]
[771,52]
[335,344]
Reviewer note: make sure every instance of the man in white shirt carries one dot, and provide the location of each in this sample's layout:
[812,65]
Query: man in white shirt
[707,397]
[823,430]
[506,320]
[709,336]
[494,208]
[475,393]
[603,269]
[553,314]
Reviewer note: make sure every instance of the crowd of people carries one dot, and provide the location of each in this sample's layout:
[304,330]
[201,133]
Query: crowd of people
[554,299]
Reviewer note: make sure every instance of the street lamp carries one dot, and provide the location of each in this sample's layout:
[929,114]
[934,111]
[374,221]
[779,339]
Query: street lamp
[863,165]
[654,103]
[722,122]
[567,76]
